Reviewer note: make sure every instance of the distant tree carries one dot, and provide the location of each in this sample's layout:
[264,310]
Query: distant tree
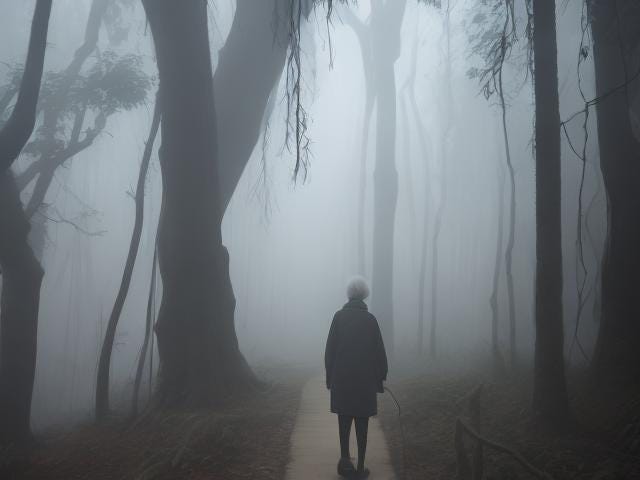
[446,106]
[380,48]
[497,359]
[493,39]
[424,149]
[550,392]
[615,27]
[21,271]
[363,33]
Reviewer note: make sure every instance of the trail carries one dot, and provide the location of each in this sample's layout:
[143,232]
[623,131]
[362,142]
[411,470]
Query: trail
[315,448]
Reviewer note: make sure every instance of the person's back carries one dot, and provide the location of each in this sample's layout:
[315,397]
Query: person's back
[357,361]
[356,366]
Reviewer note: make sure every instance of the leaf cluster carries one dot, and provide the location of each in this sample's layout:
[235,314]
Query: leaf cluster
[113,83]
[492,35]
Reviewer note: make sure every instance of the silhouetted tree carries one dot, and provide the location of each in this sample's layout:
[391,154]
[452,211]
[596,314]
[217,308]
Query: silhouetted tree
[21,271]
[615,27]
[550,392]
[200,358]
[102,385]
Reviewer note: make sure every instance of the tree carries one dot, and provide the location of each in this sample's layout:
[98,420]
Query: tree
[423,143]
[102,384]
[111,84]
[244,90]
[21,271]
[497,360]
[616,37]
[114,83]
[363,32]
[386,20]
[447,129]
[200,359]
[494,44]
[550,392]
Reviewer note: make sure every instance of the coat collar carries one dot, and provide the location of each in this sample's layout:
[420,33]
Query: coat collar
[357,304]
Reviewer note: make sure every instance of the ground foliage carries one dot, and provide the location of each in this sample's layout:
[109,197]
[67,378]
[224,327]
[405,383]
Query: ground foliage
[601,442]
[248,438]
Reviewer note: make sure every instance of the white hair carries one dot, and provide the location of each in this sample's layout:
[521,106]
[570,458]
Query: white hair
[357,288]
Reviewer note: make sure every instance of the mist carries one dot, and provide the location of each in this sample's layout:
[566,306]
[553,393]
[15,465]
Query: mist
[306,213]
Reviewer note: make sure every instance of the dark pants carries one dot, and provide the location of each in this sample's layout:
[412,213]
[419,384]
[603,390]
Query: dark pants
[362,427]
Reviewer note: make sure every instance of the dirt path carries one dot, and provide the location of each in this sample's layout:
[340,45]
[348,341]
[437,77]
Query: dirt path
[315,448]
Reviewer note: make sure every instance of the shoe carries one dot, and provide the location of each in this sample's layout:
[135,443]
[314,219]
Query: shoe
[364,473]
[346,468]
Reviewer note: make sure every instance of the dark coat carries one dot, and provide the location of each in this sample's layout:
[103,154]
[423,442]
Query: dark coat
[355,361]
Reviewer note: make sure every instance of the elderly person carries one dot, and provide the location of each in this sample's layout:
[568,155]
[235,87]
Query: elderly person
[356,365]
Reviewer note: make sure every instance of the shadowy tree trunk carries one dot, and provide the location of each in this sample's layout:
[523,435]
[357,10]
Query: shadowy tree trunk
[104,364]
[550,392]
[386,21]
[616,37]
[21,271]
[148,334]
[251,63]
[200,359]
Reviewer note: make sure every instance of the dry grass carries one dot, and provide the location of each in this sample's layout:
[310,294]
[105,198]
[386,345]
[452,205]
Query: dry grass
[602,441]
[243,440]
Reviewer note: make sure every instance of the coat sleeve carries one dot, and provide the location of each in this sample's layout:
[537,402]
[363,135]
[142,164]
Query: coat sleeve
[330,350]
[382,367]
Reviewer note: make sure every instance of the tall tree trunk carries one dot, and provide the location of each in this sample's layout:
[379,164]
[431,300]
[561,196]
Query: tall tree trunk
[104,365]
[148,334]
[363,32]
[550,392]
[21,271]
[444,160]
[199,354]
[386,21]
[424,149]
[497,360]
[512,219]
[617,354]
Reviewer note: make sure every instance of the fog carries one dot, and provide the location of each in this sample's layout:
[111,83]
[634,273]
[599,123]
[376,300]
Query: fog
[292,241]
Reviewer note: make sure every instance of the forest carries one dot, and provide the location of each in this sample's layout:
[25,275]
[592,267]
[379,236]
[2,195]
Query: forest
[190,192]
